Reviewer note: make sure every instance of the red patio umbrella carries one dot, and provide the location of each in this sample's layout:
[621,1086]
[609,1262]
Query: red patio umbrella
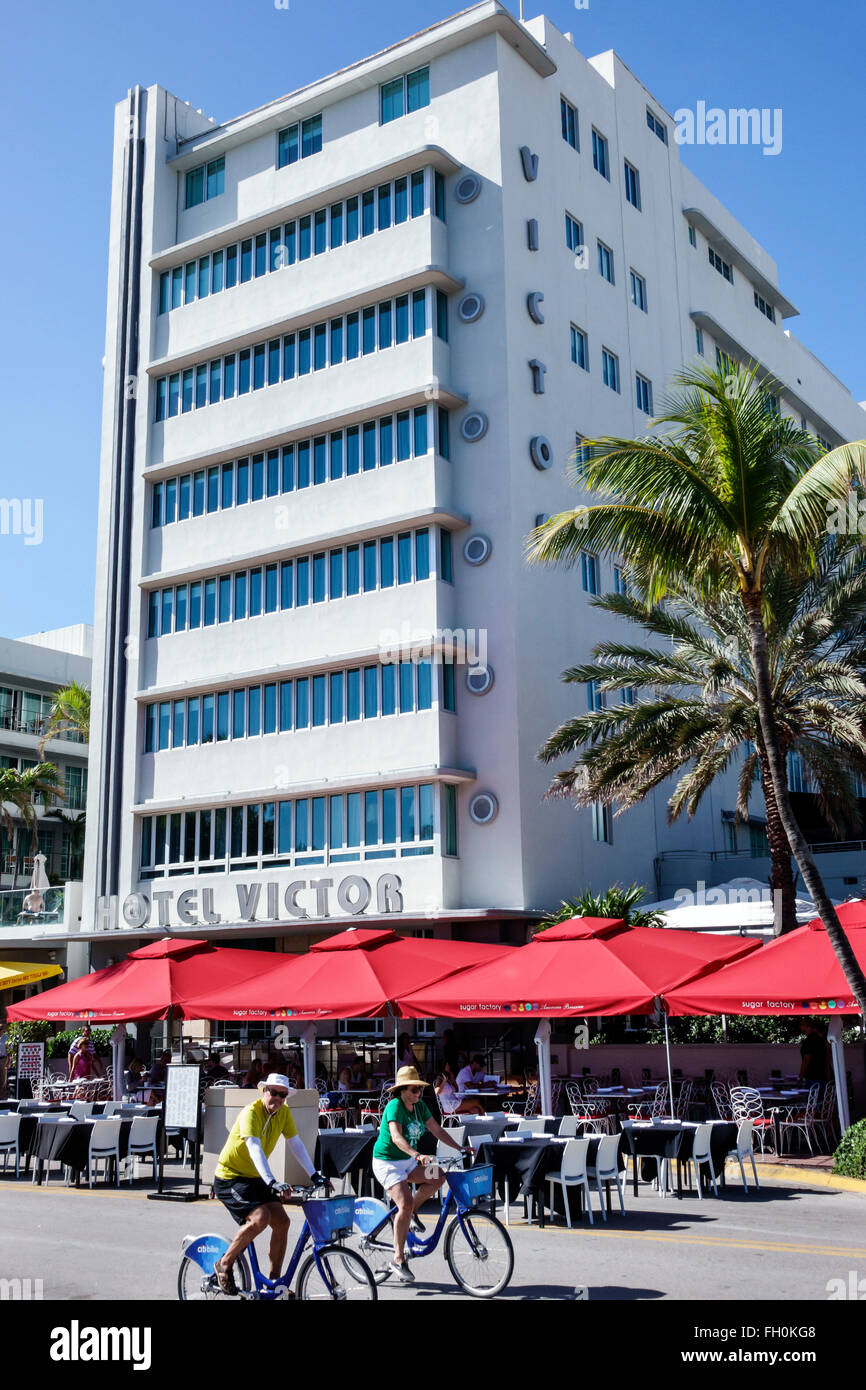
[152,981]
[357,974]
[587,965]
[797,973]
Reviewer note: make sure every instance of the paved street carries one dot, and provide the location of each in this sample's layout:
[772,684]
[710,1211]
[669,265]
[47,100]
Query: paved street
[783,1243]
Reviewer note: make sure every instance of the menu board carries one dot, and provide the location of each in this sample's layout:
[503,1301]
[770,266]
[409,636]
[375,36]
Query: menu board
[182,1085]
[31,1060]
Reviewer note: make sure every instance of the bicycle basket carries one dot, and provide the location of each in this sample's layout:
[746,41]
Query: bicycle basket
[472,1186]
[330,1218]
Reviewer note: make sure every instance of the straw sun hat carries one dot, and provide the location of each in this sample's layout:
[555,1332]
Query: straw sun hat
[408,1076]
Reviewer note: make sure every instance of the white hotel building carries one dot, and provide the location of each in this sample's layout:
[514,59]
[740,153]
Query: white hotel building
[352,338]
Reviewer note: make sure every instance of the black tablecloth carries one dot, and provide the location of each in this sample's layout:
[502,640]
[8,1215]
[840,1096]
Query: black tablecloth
[70,1144]
[338,1153]
[526,1166]
[675,1141]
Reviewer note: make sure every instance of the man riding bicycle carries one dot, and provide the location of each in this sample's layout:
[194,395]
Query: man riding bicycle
[244,1182]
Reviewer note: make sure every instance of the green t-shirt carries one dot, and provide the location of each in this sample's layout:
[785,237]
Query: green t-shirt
[412,1125]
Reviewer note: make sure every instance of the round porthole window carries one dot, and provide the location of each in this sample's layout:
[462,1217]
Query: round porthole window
[479,679]
[476,550]
[474,427]
[471,307]
[541,451]
[484,808]
[467,189]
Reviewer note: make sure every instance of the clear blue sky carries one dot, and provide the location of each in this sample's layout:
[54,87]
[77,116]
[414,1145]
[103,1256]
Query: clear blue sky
[67,64]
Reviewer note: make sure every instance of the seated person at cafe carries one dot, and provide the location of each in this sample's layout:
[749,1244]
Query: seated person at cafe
[214,1070]
[344,1080]
[156,1076]
[473,1076]
[253,1074]
[133,1077]
[450,1102]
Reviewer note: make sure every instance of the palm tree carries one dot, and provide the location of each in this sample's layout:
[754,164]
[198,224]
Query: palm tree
[697,710]
[19,791]
[76,828]
[730,495]
[615,901]
[70,714]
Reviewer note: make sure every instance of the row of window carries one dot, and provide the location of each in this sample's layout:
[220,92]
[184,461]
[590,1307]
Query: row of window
[381,824]
[721,265]
[74,782]
[725,269]
[596,698]
[334,574]
[327,457]
[373,329]
[308,702]
[304,138]
[601,151]
[387,205]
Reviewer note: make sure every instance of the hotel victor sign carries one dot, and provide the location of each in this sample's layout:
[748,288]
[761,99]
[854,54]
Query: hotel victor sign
[254,902]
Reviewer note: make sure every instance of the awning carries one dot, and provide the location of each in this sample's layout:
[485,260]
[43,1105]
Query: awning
[15,974]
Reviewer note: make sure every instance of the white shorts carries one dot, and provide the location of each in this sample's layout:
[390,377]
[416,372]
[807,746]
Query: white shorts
[389,1171]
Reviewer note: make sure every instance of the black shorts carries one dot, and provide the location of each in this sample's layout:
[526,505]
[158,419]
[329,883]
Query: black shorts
[242,1195]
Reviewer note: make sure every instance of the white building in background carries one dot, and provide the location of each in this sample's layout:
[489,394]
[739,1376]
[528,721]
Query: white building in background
[32,670]
[353,337]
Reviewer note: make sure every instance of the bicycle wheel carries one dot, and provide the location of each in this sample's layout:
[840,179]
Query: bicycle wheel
[337,1274]
[378,1252]
[479,1254]
[193,1285]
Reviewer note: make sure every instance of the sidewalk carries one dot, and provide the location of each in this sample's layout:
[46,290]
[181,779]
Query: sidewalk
[812,1170]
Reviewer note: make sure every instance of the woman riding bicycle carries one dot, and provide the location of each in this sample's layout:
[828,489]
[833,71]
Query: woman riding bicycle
[397,1163]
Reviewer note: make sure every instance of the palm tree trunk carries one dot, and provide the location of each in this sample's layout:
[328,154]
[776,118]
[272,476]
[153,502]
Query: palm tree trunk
[781,876]
[796,839]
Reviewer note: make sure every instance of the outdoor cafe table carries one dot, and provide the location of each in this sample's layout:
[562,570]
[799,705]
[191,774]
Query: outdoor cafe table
[526,1163]
[674,1140]
[342,1152]
[68,1142]
[622,1095]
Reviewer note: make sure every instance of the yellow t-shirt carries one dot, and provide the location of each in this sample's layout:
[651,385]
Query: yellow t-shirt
[253,1122]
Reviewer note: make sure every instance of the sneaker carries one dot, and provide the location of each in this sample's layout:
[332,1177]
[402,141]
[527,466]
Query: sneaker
[402,1271]
[418,1224]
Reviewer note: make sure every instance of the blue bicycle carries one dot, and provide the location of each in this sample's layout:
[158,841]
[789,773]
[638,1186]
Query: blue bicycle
[331,1271]
[478,1248]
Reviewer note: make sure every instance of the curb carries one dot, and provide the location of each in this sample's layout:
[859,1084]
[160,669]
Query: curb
[805,1177]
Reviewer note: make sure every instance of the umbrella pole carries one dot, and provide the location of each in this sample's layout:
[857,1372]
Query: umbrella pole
[834,1034]
[670,1074]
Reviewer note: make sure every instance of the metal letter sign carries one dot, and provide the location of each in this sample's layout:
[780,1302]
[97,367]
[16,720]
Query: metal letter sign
[530,164]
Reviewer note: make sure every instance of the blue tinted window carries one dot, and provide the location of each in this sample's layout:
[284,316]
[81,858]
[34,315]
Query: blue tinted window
[319,570]
[353,694]
[353,569]
[302,582]
[370,566]
[336,463]
[305,248]
[352,336]
[407,687]
[217,272]
[285,705]
[352,450]
[254,711]
[336,697]
[318,701]
[246,260]
[418,194]
[371,692]
[401,200]
[195,604]
[389,689]
[425,685]
[420,421]
[419,314]
[302,703]
[231,266]
[225,598]
[335,577]
[352,219]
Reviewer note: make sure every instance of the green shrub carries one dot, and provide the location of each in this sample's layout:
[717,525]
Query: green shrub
[850,1157]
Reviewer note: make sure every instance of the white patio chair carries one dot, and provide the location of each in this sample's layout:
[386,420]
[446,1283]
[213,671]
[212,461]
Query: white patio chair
[142,1141]
[527,1107]
[743,1150]
[701,1154]
[654,1109]
[746,1104]
[606,1169]
[806,1121]
[573,1173]
[112,1107]
[568,1127]
[104,1145]
[81,1109]
[828,1115]
[534,1126]
[9,1127]
[591,1112]
[722,1099]
[683,1101]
